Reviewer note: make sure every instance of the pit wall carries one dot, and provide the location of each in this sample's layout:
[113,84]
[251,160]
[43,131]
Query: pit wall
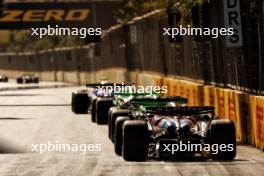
[246,110]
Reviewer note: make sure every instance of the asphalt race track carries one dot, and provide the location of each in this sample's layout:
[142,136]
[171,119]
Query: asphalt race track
[41,115]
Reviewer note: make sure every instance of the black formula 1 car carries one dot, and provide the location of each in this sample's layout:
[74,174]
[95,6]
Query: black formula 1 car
[27,78]
[172,133]
[144,100]
[3,78]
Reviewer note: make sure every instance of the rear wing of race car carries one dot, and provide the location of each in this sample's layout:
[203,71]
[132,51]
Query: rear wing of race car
[123,99]
[158,102]
[181,110]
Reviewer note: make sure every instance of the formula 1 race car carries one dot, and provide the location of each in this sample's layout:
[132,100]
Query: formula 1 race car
[178,132]
[124,101]
[136,107]
[3,78]
[27,78]
[99,96]
[82,99]
[121,108]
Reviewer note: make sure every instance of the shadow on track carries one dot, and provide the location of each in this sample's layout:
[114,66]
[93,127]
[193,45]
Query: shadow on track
[9,147]
[14,118]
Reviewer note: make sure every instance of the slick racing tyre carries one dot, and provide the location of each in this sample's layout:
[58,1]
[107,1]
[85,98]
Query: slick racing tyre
[80,103]
[223,133]
[111,110]
[102,107]
[135,140]
[19,80]
[112,120]
[93,111]
[73,102]
[36,80]
[118,137]
[27,81]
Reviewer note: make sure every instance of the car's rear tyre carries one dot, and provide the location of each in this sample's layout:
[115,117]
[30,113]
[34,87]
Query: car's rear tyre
[73,102]
[223,132]
[80,103]
[27,81]
[102,107]
[36,80]
[111,110]
[93,111]
[118,137]
[19,80]
[112,120]
[135,140]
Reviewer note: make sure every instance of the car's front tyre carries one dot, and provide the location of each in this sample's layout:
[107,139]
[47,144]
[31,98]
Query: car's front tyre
[102,107]
[112,121]
[80,103]
[118,137]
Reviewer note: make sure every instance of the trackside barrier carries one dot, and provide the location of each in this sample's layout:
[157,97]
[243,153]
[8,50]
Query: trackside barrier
[244,117]
[148,80]
[231,111]
[197,95]
[192,91]
[167,83]
[113,75]
[219,102]
[257,121]
[208,99]
[133,77]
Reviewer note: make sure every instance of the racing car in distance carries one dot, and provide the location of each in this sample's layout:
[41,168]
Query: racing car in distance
[27,78]
[3,78]
[82,98]
[103,101]
[97,97]
[159,132]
